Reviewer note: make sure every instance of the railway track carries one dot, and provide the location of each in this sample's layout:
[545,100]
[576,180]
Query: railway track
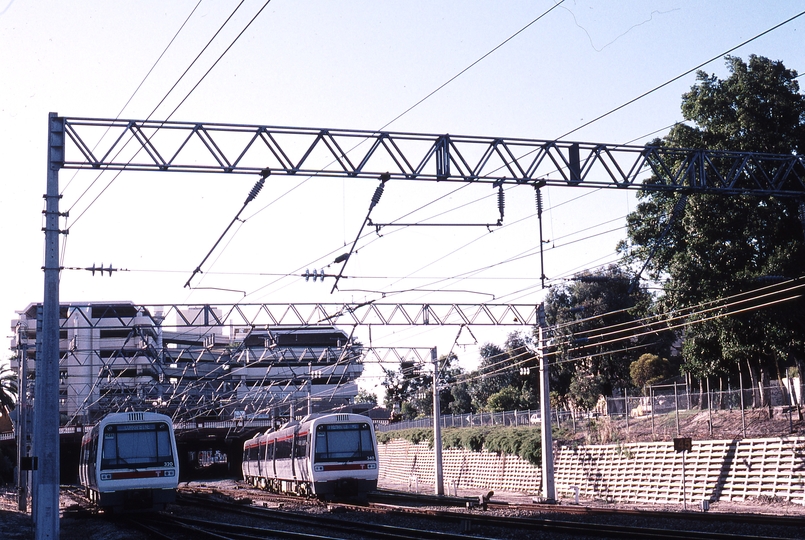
[454,524]
[240,513]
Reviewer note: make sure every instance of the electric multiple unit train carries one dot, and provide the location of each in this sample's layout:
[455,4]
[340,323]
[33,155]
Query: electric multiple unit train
[129,461]
[331,456]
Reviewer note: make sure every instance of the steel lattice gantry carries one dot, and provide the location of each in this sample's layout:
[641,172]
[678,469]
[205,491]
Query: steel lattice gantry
[146,145]
[366,313]
[150,145]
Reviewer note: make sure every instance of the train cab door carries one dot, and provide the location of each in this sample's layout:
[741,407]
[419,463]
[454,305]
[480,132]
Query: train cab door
[301,456]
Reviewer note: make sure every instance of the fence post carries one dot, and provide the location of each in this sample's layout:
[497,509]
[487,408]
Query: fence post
[676,406]
[626,407]
[743,417]
[790,402]
[709,408]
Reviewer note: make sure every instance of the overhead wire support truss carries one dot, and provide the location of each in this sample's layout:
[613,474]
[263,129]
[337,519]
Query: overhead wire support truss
[151,145]
[296,315]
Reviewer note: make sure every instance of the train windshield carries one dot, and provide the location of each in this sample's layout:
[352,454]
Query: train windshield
[137,446]
[344,442]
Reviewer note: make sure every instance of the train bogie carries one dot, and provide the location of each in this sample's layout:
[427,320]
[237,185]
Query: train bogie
[329,457]
[129,462]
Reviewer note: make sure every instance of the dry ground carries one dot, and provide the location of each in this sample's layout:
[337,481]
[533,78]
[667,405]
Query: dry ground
[696,424]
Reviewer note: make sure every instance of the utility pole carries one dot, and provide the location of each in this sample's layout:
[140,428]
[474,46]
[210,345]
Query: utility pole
[46,404]
[309,389]
[437,426]
[548,490]
[23,429]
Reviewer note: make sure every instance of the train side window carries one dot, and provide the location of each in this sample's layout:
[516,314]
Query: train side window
[269,453]
[300,450]
[283,448]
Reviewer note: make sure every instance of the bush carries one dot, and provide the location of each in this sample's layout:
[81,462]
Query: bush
[414,436]
[525,442]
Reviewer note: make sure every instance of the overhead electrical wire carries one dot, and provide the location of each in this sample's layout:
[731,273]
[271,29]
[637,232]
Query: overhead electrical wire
[198,56]
[736,304]
[136,90]
[637,98]
[677,77]
[688,72]
[430,94]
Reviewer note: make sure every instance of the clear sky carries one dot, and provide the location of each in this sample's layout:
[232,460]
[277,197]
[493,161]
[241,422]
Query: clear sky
[348,64]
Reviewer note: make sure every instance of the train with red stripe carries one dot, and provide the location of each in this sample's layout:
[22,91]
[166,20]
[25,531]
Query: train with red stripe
[129,462]
[330,456]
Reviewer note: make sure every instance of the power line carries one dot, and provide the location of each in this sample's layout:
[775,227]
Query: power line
[132,96]
[209,42]
[409,109]
[460,73]
[666,83]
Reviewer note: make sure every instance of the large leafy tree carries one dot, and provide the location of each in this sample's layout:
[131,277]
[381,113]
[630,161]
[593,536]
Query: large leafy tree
[714,246]
[597,334]
[409,388]
[506,375]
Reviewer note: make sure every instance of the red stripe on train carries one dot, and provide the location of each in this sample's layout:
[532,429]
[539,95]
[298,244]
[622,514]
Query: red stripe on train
[137,474]
[350,467]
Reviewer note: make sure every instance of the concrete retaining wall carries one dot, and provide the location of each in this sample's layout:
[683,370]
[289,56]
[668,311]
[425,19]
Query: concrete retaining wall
[636,472]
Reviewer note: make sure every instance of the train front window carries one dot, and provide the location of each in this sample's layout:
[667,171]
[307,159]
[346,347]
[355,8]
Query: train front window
[344,442]
[137,446]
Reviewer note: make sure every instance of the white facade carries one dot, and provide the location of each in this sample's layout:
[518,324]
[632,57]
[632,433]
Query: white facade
[119,356]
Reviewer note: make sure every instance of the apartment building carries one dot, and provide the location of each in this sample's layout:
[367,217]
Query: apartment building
[117,356]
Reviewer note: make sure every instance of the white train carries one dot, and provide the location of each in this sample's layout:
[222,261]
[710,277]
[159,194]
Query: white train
[129,461]
[330,456]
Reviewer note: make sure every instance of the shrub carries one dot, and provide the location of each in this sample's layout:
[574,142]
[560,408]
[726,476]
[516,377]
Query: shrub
[525,442]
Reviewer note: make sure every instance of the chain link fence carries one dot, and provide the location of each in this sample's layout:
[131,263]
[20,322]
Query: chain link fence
[632,405]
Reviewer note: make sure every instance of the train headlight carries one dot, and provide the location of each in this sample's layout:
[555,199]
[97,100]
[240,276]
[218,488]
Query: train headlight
[169,472]
[371,465]
[106,476]
[318,468]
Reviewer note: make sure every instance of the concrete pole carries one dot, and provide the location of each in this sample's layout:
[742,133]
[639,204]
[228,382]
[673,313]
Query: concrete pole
[309,389]
[548,489]
[437,426]
[46,404]
[23,433]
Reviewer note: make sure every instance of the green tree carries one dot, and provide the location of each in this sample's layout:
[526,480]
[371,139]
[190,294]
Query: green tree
[507,399]
[649,369]
[706,247]
[512,365]
[364,396]
[461,401]
[409,388]
[595,335]
[8,389]
[586,390]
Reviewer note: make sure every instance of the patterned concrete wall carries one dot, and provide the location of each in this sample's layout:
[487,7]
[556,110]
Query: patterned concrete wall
[637,472]
[414,465]
[714,470]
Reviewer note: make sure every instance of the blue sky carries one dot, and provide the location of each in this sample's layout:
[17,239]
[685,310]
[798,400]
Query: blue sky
[349,64]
